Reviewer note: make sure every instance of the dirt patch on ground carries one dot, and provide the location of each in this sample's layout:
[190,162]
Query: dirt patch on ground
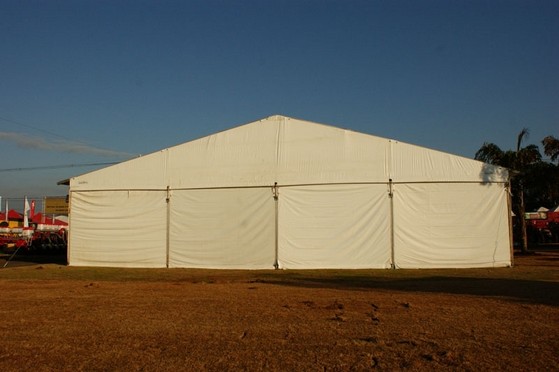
[54,317]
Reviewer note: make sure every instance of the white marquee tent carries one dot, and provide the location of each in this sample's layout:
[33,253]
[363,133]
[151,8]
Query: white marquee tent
[286,193]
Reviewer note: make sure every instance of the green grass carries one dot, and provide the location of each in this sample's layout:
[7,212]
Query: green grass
[355,277]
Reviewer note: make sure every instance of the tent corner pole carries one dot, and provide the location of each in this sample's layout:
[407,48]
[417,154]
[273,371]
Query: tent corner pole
[511,226]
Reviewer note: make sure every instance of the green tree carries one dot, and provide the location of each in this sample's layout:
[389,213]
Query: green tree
[541,188]
[519,162]
[548,174]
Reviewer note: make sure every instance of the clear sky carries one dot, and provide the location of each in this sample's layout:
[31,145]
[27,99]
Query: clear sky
[100,81]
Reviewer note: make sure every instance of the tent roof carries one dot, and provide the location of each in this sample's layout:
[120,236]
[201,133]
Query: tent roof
[38,218]
[286,151]
[12,215]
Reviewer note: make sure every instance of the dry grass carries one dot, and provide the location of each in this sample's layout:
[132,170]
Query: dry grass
[54,317]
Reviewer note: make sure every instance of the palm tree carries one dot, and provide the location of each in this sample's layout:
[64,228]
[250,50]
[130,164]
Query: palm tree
[551,147]
[518,161]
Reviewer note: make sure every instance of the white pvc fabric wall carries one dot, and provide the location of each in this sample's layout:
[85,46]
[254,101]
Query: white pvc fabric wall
[118,229]
[222,228]
[313,226]
[334,226]
[451,225]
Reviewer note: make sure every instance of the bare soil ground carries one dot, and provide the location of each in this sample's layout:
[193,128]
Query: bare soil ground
[54,317]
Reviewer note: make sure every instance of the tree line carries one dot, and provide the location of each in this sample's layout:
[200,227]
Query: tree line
[534,180]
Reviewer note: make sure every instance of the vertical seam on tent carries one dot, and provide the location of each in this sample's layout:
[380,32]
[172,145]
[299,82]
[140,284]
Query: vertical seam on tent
[390,157]
[279,132]
[166,166]
[278,141]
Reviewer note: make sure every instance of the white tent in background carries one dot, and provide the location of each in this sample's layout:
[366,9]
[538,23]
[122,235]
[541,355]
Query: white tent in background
[61,217]
[286,193]
[542,209]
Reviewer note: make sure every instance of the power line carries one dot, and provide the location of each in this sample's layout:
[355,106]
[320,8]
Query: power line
[34,128]
[21,169]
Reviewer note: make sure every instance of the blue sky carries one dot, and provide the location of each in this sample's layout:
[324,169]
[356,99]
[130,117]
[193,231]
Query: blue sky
[100,81]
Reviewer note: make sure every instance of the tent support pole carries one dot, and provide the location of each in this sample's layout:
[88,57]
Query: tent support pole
[168,227]
[12,256]
[276,248]
[391,196]
[509,212]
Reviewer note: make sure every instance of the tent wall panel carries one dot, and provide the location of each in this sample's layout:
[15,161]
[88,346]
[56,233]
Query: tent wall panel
[451,225]
[412,163]
[334,226]
[141,173]
[311,153]
[233,158]
[222,228]
[118,229]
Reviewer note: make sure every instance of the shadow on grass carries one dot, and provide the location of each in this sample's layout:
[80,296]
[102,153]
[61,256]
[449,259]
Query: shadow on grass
[28,259]
[534,281]
[533,292]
